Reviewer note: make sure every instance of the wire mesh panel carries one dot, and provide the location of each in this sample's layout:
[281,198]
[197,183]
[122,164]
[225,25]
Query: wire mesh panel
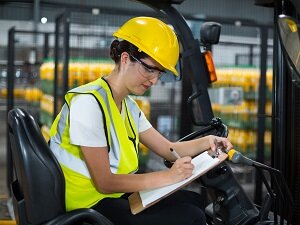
[26,51]
[240,66]
[235,94]
[61,62]
[29,50]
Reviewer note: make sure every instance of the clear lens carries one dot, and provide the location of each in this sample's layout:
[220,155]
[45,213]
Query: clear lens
[147,71]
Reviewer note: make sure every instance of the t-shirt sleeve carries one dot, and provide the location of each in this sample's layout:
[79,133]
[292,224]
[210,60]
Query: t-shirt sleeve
[86,122]
[144,123]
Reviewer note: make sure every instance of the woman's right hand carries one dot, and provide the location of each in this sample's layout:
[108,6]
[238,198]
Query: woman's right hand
[181,169]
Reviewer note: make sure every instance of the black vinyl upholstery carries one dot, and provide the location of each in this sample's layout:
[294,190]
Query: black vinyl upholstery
[39,189]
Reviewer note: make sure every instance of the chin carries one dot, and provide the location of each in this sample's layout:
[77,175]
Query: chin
[137,92]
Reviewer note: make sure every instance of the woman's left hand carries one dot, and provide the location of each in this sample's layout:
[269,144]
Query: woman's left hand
[213,140]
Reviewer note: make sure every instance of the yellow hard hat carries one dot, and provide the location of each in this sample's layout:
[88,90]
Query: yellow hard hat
[153,37]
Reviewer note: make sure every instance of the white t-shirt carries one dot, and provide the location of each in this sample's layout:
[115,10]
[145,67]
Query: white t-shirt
[86,122]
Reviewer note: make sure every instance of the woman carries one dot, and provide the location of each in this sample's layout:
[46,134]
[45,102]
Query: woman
[96,135]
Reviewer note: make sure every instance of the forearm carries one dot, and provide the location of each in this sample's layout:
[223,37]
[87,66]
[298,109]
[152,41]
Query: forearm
[105,181]
[192,147]
[161,145]
[127,183]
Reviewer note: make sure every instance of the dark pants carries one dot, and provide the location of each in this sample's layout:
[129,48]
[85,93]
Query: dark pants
[180,208]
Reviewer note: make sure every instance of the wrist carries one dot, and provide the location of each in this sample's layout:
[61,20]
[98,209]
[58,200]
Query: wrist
[207,142]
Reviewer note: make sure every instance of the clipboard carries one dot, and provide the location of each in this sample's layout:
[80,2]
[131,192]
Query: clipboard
[203,163]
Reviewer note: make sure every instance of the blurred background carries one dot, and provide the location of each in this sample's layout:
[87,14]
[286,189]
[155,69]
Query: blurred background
[49,46]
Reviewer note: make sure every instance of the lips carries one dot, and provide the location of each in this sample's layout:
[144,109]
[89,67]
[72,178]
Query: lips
[146,86]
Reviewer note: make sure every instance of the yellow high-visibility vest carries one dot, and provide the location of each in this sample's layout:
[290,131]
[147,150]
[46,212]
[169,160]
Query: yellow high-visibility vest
[122,141]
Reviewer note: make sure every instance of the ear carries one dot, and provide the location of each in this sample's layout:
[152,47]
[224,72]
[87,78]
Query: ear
[124,59]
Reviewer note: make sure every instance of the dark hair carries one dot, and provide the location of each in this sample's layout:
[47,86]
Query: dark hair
[118,47]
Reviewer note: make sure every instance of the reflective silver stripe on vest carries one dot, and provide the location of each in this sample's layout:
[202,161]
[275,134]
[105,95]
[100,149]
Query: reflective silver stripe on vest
[72,161]
[64,157]
[62,122]
[68,160]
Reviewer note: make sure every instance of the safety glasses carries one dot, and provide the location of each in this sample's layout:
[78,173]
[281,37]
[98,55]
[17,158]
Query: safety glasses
[148,72]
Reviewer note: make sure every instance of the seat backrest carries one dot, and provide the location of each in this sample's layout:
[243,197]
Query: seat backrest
[40,178]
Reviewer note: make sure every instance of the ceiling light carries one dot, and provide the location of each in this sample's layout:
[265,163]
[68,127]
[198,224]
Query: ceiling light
[43,20]
[95,11]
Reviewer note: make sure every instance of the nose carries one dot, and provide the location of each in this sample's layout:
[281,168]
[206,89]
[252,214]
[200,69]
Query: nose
[154,80]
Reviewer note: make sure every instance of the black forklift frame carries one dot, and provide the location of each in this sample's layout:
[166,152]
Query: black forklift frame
[193,66]
[286,106]
[195,76]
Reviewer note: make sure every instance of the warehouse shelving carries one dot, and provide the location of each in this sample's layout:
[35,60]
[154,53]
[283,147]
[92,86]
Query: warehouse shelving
[234,99]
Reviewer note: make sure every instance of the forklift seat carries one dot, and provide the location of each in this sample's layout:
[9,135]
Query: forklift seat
[38,191]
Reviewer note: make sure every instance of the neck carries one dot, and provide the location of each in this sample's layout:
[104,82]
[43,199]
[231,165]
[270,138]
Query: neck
[118,90]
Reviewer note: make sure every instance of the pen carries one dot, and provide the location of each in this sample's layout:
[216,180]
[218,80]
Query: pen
[175,153]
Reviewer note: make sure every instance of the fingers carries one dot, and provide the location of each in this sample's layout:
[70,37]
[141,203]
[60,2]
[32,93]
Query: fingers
[222,142]
[183,168]
[186,159]
[185,163]
[227,144]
